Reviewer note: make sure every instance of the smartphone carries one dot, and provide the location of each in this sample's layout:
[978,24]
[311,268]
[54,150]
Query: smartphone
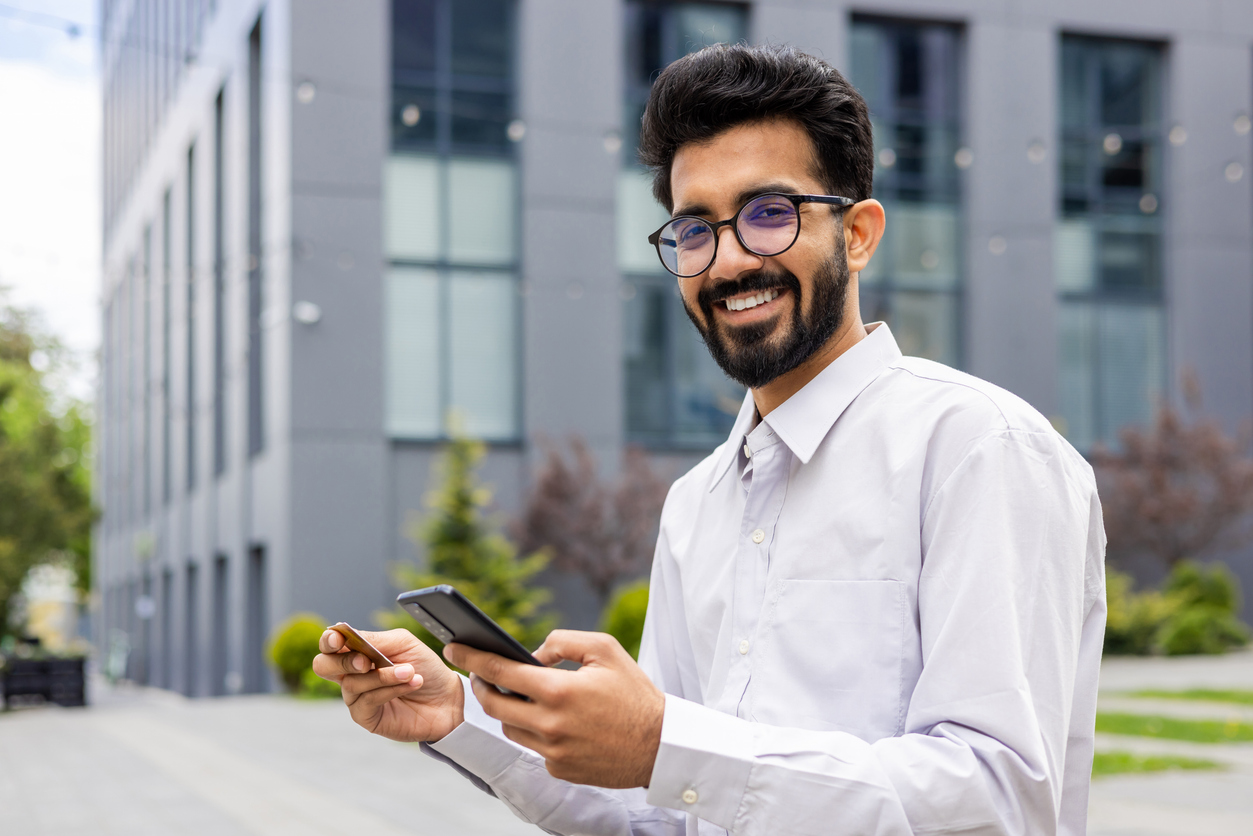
[356,641]
[452,617]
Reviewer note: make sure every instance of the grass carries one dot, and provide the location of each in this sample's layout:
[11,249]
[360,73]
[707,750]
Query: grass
[1120,763]
[1209,695]
[1198,731]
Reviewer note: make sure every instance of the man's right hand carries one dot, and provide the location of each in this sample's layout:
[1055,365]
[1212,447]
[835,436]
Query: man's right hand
[419,699]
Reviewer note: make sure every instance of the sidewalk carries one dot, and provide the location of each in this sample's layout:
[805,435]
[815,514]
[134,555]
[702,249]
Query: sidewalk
[1175,803]
[141,761]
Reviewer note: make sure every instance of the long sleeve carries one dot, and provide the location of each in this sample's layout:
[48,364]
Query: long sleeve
[1009,615]
[479,750]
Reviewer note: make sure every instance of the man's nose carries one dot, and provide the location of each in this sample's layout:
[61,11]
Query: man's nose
[731,260]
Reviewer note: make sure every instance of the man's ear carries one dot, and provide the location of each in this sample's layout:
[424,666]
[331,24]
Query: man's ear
[863,229]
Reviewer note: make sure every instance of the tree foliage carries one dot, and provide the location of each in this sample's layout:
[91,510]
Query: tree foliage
[45,493]
[605,533]
[462,549]
[1177,490]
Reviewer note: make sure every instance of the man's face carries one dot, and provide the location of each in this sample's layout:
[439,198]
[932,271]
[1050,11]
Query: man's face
[800,294]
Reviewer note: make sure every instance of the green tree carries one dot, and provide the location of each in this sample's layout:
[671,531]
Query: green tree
[464,549]
[45,489]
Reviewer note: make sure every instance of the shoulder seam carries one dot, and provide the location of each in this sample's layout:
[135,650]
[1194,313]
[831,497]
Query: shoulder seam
[976,390]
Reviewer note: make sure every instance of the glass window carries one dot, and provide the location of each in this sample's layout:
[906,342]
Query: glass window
[908,74]
[1107,245]
[482,206]
[412,320]
[450,222]
[411,216]
[484,340]
[676,396]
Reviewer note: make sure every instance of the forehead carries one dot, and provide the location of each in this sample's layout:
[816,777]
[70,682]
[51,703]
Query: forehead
[718,171]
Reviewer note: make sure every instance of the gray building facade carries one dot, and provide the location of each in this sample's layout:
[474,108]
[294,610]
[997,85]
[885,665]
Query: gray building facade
[337,231]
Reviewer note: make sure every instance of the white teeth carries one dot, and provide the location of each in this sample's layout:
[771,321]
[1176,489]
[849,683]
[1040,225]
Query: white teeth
[751,301]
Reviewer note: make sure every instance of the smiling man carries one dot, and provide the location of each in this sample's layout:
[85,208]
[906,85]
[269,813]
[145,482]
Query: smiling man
[877,608]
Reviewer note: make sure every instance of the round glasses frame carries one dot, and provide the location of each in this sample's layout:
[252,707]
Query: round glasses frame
[796,200]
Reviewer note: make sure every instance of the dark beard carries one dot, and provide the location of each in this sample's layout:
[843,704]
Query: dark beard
[745,352]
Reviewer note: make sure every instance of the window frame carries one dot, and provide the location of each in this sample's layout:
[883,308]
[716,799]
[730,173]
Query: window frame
[444,83]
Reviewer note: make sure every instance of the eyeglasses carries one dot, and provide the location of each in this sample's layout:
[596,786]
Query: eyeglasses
[767,225]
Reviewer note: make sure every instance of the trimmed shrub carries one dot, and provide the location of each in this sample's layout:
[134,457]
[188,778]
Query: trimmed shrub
[1194,613]
[293,644]
[1206,622]
[1134,618]
[624,617]
[314,686]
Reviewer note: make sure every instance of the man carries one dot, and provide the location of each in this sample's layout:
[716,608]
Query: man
[877,608]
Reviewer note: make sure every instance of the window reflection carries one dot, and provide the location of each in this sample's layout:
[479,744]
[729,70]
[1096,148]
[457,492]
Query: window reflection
[1107,247]
[907,73]
[450,221]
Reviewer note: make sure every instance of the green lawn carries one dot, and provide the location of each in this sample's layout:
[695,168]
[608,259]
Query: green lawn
[1198,731]
[1118,763]
[1240,697]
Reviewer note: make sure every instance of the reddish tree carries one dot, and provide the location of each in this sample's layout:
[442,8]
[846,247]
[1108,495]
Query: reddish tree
[602,532]
[1178,489]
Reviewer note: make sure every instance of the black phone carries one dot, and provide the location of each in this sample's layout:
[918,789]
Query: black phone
[452,617]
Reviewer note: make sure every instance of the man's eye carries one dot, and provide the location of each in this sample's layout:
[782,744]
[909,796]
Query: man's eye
[772,212]
[692,235]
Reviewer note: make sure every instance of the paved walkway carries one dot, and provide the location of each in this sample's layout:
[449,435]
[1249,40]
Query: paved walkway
[139,762]
[1175,803]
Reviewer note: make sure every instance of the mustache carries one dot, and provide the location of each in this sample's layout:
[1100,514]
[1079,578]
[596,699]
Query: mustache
[752,283]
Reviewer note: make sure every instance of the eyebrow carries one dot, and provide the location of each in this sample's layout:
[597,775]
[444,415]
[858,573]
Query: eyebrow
[743,197]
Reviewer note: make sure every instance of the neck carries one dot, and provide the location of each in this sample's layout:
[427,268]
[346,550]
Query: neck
[785,386]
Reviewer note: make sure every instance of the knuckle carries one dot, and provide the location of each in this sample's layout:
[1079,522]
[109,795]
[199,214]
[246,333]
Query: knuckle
[550,728]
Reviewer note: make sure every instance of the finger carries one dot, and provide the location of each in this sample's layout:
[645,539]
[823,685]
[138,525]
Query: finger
[578,646]
[498,670]
[331,641]
[338,664]
[367,704]
[506,708]
[355,686]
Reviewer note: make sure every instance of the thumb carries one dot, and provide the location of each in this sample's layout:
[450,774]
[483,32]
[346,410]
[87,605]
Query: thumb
[577,646]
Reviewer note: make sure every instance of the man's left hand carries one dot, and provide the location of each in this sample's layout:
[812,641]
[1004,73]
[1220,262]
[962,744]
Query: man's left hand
[598,725]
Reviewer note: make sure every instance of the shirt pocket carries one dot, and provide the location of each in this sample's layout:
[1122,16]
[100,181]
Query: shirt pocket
[830,657]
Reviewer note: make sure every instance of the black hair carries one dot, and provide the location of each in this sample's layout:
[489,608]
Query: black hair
[724,85]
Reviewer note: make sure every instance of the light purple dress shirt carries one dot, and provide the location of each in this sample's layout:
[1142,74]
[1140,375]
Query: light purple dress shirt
[878,610]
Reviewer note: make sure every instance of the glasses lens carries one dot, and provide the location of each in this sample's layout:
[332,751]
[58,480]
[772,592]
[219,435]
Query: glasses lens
[768,225]
[686,246]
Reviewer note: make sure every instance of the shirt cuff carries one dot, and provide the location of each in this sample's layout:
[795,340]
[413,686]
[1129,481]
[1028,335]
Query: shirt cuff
[478,745]
[703,762]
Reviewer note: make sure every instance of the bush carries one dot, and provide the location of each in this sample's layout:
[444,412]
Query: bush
[1194,613]
[624,617]
[1201,629]
[1134,618]
[314,686]
[293,644]
[1205,621]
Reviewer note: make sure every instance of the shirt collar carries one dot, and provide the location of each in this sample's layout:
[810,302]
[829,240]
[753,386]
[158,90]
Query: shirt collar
[803,420]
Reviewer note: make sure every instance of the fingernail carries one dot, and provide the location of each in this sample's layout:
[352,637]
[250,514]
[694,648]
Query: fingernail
[445,652]
[403,673]
[361,663]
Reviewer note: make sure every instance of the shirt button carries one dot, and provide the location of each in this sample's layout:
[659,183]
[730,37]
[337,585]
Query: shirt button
[748,453]
[744,647]
[690,797]
[758,536]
